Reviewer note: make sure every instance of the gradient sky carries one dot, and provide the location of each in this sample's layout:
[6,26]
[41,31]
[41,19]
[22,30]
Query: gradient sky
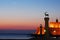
[27,14]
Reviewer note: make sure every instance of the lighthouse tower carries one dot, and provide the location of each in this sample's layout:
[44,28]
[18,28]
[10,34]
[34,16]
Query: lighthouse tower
[46,25]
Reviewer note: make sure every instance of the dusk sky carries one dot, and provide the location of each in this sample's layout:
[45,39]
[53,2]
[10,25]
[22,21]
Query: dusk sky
[27,14]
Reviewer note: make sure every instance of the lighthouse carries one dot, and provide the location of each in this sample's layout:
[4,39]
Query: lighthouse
[46,25]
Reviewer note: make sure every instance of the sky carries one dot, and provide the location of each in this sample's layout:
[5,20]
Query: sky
[27,14]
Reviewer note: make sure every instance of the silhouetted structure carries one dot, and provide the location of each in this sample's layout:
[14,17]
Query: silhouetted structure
[41,32]
[56,20]
[46,25]
[51,31]
[41,29]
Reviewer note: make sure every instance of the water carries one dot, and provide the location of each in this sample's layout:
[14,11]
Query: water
[14,37]
[15,34]
[20,34]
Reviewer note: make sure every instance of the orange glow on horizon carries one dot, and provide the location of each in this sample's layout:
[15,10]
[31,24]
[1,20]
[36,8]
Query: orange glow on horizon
[54,29]
[17,27]
[38,31]
[54,25]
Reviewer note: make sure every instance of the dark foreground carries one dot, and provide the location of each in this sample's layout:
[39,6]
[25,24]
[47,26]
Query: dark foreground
[34,39]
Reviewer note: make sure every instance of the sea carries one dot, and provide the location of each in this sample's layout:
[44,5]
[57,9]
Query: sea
[21,34]
[16,34]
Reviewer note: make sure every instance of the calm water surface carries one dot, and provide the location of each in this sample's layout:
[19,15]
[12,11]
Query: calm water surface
[19,34]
